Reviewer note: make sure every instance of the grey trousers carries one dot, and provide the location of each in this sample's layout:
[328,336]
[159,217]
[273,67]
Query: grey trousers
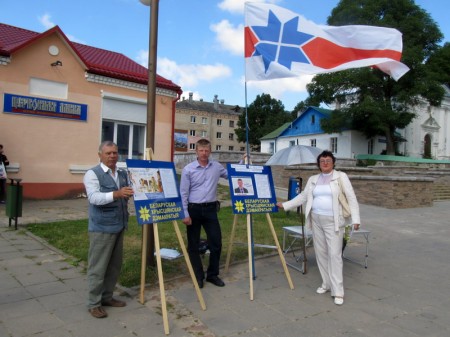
[328,250]
[104,264]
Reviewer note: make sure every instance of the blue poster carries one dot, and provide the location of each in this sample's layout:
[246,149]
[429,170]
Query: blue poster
[35,106]
[251,189]
[156,193]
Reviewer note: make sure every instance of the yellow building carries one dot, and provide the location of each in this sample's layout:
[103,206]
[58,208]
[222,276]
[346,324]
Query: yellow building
[215,121]
[60,99]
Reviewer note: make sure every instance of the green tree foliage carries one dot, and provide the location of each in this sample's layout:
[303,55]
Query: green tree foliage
[367,99]
[439,64]
[265,114]
[301,107]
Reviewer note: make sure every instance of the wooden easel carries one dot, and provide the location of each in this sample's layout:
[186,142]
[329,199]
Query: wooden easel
[250,246]
[145,229]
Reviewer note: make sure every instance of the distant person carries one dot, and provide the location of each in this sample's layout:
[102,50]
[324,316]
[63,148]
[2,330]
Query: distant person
[198,188]
[5,161]
[240,189]
[108,190]
[324,214]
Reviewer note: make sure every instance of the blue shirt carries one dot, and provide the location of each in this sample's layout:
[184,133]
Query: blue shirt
[199,184]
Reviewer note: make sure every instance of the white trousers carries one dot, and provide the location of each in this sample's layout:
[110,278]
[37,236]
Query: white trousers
[328,250]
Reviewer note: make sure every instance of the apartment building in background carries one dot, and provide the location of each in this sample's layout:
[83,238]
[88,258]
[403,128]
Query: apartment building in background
[215,121]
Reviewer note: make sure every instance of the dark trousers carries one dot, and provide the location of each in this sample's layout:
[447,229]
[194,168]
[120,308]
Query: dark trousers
[206,217]
[2,189]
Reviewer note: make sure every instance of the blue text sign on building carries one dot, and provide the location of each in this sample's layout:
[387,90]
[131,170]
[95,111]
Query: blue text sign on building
[34,106]
[251,189]
[156,193]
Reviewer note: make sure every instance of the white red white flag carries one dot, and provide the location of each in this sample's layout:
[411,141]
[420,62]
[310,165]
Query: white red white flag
[280,43]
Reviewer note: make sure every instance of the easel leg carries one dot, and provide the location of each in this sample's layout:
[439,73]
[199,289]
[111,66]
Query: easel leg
[250,258]
[143,262]
[188,263]
[230,245]
[280,252]
[161,279]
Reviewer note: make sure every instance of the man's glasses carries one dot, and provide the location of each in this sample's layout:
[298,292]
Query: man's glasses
[329,161]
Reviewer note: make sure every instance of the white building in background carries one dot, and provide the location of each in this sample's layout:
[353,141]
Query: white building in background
[431,128]
[306,130]
[427,133]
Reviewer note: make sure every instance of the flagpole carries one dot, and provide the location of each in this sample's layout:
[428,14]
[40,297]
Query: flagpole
[248,163]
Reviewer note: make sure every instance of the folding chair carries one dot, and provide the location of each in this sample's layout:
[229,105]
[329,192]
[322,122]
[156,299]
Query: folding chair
[353,241]
[295,241]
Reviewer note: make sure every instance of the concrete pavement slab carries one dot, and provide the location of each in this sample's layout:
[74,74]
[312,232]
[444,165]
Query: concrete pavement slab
[403,292]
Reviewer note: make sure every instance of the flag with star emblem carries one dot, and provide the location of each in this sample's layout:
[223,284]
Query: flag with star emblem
[280,43]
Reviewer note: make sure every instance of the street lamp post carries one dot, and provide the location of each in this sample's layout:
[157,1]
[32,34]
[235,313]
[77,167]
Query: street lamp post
[151,101]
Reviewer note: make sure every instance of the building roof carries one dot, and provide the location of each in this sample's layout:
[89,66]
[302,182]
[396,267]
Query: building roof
[291,128]
[216,106]
[97,61]
[277,132]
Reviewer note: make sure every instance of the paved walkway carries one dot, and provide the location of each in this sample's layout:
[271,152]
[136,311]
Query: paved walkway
[404,291]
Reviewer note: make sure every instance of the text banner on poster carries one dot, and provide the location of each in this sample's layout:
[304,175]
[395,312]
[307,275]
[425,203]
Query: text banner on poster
[156,193]
[251,189]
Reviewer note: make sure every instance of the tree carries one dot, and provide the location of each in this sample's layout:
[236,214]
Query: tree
[439,64]
[367,99]
[265,114]
[301,107]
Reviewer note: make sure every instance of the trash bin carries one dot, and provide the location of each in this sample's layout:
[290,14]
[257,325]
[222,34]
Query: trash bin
[14,196]
[294,188]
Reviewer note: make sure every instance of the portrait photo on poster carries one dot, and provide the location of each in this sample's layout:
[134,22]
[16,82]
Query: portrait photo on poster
[243,186]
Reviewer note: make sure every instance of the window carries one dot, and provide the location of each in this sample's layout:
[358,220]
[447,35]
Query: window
[231,124]
[313,119]
[231,136]
[128,137]
[204,120]
[192,146]
[313,143]
[192,133]
[242,148]
[218,147]
[219,135]
[230,148]
[370,146]
[271,147]
[292,143]
[333,144]
[204,134]
[192,119]
[219,122]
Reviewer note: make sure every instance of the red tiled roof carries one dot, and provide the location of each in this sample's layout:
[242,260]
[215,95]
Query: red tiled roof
[98,61]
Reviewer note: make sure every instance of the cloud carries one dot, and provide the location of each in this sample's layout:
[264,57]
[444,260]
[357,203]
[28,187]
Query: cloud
[229,37]
[190,75]
[237,6]
[278,87]
[46,22]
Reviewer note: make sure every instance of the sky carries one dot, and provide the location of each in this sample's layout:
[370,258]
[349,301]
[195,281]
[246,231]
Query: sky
[200,42]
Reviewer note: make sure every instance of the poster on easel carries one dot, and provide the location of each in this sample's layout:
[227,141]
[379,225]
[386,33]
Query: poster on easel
[156,192]
[252,189]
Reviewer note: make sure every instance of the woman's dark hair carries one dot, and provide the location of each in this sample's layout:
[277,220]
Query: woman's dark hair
[324,154]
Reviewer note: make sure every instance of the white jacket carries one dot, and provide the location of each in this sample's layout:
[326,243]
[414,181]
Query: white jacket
[306,197]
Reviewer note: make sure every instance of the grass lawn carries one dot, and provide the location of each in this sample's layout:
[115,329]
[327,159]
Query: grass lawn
[71,237]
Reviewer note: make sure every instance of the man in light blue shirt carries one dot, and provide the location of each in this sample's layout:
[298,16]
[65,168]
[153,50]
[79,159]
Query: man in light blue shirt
[198,190]
[108,192]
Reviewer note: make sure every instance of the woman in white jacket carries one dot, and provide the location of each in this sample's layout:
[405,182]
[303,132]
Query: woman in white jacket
[324,215]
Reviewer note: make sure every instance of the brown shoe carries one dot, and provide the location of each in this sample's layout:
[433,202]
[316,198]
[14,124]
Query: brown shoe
[98,312]
[114,303]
